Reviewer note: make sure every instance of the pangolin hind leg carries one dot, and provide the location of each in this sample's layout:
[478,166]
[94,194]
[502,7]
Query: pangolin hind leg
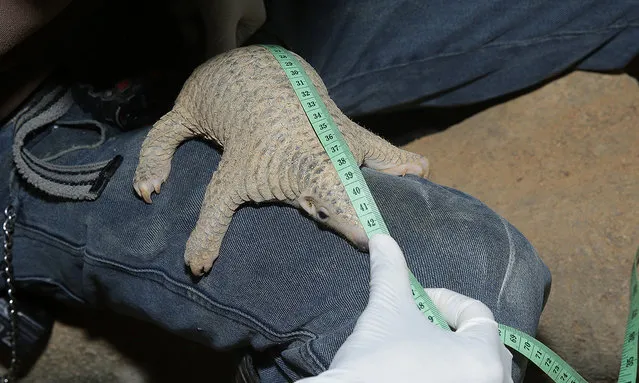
[381,155]
[157,152]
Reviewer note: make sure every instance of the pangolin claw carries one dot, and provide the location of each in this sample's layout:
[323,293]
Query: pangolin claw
[145,188]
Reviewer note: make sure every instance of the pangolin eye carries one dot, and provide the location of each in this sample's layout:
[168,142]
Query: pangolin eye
[322,215]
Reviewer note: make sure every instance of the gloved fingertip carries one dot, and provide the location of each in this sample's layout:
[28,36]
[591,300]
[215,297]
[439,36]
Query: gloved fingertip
[379,239]
[388,266]
[384,247]
[385,254]
[434,292]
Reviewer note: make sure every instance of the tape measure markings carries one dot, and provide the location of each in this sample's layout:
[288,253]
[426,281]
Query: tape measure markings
[362,199]
[333,143]
[349,173]
[628,368]
[538,353]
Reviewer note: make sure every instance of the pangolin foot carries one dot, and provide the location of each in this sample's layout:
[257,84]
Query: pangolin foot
[199,255]
[199,265]
[420,168]
[145,188]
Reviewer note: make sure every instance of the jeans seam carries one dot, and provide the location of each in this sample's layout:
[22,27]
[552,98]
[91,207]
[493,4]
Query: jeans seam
[311,354]
[30,231]
[53,240]
[50,281]
[511,260]
[517,43]
[225,310]
[136,272]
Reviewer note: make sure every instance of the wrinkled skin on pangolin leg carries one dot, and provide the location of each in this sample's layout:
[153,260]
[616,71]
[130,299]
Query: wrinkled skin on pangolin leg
[270,154]
[380,155]
[157,151]
[220,202]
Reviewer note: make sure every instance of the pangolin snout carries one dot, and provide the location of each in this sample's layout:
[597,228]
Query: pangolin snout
[357,236]
[362,244]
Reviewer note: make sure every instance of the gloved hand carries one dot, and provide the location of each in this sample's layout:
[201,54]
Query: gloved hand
[394,342]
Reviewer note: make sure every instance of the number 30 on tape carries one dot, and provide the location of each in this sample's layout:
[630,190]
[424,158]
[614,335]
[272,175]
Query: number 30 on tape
[372,221]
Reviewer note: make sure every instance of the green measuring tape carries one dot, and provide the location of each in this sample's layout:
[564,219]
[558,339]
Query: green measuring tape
[351,176]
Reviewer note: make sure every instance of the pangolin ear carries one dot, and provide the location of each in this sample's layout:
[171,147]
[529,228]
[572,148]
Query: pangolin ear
[307,202]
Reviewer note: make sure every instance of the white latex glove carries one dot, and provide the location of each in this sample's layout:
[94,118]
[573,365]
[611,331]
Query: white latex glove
[394,342]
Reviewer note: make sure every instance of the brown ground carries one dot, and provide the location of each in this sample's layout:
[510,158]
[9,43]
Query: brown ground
[561,163]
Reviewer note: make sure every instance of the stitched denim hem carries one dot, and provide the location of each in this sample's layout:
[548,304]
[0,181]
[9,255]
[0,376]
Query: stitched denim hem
[198,298]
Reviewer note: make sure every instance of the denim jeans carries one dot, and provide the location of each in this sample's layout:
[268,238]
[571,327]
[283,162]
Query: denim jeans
[284,286]
[291,290]
[376,55]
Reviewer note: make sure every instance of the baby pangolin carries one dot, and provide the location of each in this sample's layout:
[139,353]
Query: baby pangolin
[243,101]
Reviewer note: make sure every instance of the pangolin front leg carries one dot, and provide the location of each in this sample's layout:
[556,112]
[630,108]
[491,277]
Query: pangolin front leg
[157,152]
[220,202]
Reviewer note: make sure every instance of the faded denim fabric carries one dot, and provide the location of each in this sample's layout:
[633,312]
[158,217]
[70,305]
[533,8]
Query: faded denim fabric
[380,54]
[290,289]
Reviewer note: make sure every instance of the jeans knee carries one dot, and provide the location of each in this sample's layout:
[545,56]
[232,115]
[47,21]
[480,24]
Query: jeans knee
[453,240]
[526,283]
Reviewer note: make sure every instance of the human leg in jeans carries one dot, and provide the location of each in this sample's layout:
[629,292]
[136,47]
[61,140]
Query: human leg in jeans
[290,289]
[379,54]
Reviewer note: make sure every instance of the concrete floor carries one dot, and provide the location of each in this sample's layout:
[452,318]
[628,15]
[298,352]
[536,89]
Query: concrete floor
[560,163]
